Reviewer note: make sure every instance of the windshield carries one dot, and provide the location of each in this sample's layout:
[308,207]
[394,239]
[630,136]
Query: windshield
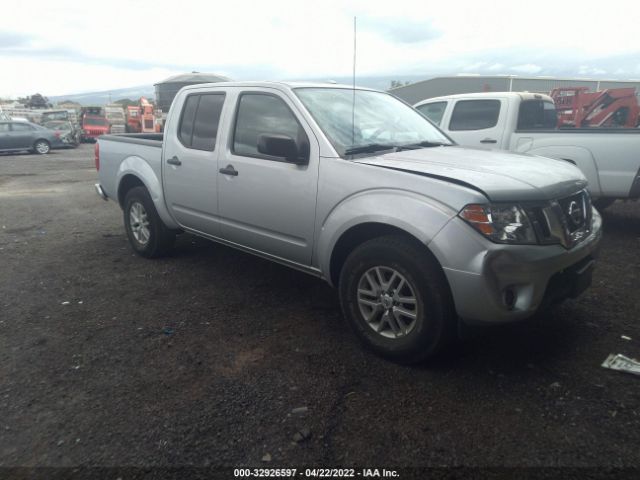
[95,121]
[115,116]
[55,116]
[57,125]
[375,121]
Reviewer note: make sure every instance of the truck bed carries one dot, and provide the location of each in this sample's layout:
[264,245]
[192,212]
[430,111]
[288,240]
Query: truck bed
[120,156]
[150,139]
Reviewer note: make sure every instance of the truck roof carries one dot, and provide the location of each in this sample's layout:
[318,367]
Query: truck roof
[277,85]
[479,95]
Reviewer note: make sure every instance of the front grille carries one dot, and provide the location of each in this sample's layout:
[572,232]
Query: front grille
[566,221]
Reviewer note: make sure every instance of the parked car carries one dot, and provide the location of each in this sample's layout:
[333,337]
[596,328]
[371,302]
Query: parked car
[356,187]
[526,123]
[68,133]
[19,136]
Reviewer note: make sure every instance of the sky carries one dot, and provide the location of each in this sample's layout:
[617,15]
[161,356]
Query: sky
[73,47]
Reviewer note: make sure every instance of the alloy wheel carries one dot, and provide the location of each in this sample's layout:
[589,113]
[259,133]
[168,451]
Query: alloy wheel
[387,302]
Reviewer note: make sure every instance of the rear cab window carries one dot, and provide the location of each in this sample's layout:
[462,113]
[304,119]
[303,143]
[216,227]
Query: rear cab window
[474,115]
[537,115]
[200,119]
[433,111]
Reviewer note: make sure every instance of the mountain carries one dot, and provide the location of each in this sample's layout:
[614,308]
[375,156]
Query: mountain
[133,93]
[377,82]
[107,96]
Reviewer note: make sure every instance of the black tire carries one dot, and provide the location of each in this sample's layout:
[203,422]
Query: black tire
[41,147]
[602,203]
[160,239]
[435,324]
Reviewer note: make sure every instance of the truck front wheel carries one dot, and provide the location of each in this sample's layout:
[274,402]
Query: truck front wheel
[147,234]
[397,300]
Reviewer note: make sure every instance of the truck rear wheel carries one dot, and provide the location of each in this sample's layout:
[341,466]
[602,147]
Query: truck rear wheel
[147,234]
[397,300]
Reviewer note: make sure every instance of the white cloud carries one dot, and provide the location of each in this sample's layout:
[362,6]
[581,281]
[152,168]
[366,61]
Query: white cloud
[529,68]
[589,70]
[71,46]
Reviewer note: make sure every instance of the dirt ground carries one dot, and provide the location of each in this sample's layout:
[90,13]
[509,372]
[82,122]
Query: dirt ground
[214,357]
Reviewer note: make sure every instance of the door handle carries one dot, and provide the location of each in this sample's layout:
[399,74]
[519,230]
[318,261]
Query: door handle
[488,140]
[229,170]
[174,161]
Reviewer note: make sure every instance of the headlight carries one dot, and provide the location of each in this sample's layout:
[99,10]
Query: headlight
[500,223]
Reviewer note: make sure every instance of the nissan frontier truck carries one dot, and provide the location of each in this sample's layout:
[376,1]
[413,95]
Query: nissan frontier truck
[355,187]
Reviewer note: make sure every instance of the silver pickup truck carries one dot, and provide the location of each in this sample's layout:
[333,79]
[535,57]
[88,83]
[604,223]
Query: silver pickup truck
[356,187]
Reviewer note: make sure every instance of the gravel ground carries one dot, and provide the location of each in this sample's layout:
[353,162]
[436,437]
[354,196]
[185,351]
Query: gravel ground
[214,357]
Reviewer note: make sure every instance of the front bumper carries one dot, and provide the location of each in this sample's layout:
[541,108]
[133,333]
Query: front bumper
[493,283]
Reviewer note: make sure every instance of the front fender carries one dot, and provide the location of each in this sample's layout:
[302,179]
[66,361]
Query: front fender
[419,216]
[139,168]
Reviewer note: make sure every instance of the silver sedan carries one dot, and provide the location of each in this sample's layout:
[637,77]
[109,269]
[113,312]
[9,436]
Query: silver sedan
[20,136]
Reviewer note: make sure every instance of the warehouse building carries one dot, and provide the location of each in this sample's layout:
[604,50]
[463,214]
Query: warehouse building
[439,86]
[168,88]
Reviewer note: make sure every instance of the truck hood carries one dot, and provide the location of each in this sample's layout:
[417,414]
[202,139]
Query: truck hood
[501,176]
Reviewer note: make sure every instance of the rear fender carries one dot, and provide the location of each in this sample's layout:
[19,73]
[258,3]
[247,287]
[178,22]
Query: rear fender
[140,169]
[580,157]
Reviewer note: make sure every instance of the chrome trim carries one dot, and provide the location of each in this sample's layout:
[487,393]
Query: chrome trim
[100,192]
[553,225]
[313,271]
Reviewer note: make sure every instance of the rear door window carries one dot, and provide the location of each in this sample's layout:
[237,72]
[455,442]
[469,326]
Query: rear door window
[200,120]
[433,111]
[205,126]
[21,127]
[475,115]
[186,122]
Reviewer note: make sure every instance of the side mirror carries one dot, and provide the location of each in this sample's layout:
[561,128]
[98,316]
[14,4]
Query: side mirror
[282,146]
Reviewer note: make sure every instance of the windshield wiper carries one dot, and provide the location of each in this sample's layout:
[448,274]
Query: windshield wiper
[369,148]
[424,144]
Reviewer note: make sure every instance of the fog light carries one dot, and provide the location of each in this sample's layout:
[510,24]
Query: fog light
[509,298]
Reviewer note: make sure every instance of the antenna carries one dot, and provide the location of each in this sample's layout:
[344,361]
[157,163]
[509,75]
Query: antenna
[353,103]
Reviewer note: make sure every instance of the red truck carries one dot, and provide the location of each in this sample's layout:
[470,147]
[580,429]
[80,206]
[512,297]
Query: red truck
[94,123]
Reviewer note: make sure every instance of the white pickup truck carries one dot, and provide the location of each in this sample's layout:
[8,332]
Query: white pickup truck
[526,123]
[356,187]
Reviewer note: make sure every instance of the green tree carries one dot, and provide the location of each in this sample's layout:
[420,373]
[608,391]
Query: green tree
[126,102]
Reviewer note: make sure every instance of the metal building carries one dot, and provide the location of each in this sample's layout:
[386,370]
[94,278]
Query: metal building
[438,86]
[168,88]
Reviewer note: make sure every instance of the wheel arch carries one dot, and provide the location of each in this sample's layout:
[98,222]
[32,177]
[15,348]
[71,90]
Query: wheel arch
[374,213]
[41,139]
[362,232]
[135,171]
[127,182]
